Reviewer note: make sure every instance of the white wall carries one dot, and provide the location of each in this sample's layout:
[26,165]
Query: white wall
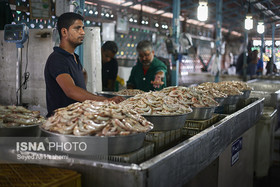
[38,51]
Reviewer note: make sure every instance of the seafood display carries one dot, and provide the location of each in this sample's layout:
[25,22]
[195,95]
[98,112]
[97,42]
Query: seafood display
[18,116]
[129,92]
[210,91]
[223,87]
[156,103]
[191,97]
[241,86]
[96,118]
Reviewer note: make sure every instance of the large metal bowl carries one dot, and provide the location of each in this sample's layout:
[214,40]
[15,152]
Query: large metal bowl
[21,131]
[201,113]
[109,94]
[167,122]
[96,145]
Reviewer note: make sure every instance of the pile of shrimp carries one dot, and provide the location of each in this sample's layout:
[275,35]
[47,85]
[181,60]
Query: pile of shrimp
[129,92]
[191,96]
[240,85]
[18,116]
[169,101]
[96,118]
[222,87]
[210,91]
[156,103]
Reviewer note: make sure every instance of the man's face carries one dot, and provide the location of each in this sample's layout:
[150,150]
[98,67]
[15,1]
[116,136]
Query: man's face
[75,34]
[107,55]
[146,57]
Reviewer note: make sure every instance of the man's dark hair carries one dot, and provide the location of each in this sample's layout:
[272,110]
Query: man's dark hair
[111,46]
[66,20]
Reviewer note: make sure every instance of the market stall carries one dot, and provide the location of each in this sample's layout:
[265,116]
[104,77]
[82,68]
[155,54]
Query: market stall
[172,167]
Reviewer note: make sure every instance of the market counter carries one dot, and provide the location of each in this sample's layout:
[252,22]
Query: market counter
[173,167]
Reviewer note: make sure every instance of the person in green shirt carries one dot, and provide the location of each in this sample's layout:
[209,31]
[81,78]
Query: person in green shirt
[149,72]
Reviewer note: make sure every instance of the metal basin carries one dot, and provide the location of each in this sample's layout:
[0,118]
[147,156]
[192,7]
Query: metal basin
[23,131]
[246,94]
[201,113]
[220,100]
[95,145]
[232,99]
[265,85]
[271,98]
[167,122]
[112,94]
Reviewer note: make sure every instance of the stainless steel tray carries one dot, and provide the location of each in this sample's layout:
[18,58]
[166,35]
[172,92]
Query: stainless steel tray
[167,122]
[112,94]
[22,131]
[201,113]
[109,145]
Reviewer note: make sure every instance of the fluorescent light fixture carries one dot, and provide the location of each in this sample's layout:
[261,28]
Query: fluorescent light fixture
[202,11]
[277,43]
[248,22]
[260,27]
[257,42]
[268,43]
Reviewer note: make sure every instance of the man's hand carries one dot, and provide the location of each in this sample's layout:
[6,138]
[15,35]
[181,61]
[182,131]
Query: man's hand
[158,79]
[116,99]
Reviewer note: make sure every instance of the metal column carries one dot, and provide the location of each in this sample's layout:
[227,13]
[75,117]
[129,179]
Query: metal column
[80,4]
[272,49]
[176,33]
[219,9]
[244,68]
[18,75]
[262,46]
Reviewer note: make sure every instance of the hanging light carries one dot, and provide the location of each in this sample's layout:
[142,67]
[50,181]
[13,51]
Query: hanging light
[249,22]
[202,10]
[249,19]
[260,27]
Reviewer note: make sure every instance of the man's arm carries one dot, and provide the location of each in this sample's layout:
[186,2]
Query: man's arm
[76,93]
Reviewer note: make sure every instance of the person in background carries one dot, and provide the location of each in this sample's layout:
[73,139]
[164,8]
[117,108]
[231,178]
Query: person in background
[239,63]
[268,68]
[149,72]
[65,77]
[109,65]
[260,67]
[252,63]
